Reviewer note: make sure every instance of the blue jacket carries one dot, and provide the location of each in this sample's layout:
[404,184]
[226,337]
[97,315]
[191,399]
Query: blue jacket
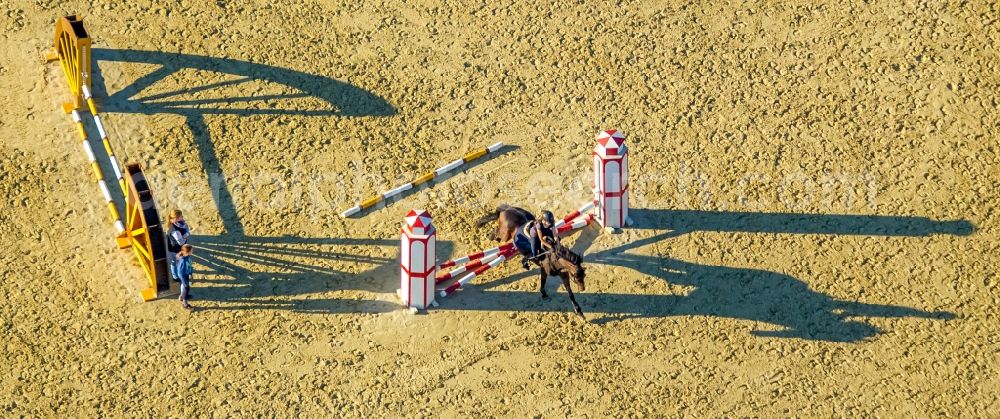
[185,269]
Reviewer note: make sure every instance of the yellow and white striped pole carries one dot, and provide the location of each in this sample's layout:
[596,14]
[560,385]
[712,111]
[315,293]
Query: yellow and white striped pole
[119,226]
[426,177]
[104,137]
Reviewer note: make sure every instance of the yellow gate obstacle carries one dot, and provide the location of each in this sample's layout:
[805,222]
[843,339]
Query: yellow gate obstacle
[146,235]
[72,49]
[142,230]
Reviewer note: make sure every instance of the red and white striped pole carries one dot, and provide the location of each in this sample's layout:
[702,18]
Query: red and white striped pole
[611,179]
[578,223]
[417,260]
[465,279]
[573,215]
[477,255]
[462,269]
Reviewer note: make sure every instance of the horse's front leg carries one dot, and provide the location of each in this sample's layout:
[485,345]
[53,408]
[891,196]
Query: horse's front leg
[569,291]
[541,284]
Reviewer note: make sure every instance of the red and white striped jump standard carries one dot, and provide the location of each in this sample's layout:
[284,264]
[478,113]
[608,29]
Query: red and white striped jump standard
[417,260]
[611,179]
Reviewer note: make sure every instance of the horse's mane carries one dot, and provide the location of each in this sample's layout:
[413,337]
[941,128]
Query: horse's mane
[563,252]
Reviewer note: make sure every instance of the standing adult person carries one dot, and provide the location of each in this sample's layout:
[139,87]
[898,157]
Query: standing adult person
[178,233]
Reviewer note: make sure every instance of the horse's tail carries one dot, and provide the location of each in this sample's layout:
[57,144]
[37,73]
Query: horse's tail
[492,216]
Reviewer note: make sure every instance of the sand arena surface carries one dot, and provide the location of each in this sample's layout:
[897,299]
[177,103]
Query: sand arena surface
[756,282]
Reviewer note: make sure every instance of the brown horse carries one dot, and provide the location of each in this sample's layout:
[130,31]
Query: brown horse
[555,259]
[508,219]
[562,262]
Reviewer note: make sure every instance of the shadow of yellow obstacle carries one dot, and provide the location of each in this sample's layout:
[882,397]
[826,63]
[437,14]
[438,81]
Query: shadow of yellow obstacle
[295,93]
[300,274]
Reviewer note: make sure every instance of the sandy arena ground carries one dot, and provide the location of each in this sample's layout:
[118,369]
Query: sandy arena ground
[814,188]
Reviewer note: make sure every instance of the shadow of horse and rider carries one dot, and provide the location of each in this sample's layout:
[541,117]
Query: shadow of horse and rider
[289,272]
[720,291]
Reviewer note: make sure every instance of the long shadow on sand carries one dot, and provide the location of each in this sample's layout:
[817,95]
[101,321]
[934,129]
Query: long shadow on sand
[326,97]
[720,291]
[245,272]
[289,273]
[294,273]
[292,265]
[337,98]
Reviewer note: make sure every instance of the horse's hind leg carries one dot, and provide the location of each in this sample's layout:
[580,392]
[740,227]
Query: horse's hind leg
[505,234]
[503,229]
[569,291]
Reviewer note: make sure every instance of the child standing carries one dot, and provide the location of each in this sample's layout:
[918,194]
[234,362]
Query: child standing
[185,272]
[177,236]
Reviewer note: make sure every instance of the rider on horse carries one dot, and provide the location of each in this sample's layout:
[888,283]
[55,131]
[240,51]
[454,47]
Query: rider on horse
[528,239]
[518,225]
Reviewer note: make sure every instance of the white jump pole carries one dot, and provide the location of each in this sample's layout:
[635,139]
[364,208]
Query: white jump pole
[573,215]
[468,277]
[475,264]
[576,224]
[478,255]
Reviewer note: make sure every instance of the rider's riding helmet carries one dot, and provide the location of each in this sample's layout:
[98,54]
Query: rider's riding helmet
[548,219]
